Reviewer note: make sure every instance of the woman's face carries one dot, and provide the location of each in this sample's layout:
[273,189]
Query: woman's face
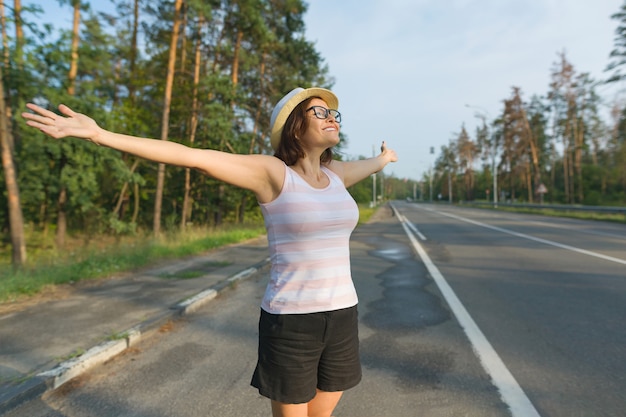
[323,130]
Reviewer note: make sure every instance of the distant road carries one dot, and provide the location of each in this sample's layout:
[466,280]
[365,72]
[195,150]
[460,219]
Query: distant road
[549,294]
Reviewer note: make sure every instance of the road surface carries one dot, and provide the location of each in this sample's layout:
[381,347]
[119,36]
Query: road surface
[541,331]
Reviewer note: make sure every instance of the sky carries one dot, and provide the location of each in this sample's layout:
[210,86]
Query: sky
[406,70]
[413,72]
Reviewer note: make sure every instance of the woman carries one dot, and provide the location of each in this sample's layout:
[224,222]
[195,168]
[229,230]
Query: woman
[308,339]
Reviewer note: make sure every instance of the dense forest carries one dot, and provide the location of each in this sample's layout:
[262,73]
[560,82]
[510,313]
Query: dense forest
[206,73]
[557,147]
[203,73]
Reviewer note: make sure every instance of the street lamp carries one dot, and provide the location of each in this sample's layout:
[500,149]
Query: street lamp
[483,115]
[430,174]
[373,179]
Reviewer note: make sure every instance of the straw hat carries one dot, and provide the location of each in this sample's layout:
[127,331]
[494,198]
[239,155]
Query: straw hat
[285,106]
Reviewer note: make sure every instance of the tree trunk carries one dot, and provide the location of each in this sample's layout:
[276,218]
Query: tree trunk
[186,210]
[137,201]
[71,88]
[257,115]
[131,98]
[61,218]
[16,221]
[5,43]
[242,208]
[219,213]
[534,154]
[5,38]
[122,197]
[566,177]
[158,201]
[133,46]
[578,159]
[235,70]
[19,33]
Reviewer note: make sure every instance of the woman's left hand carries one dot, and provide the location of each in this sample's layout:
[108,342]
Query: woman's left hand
[390,154]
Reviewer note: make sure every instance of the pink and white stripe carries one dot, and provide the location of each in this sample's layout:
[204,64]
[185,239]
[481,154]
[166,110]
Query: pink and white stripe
[308,231]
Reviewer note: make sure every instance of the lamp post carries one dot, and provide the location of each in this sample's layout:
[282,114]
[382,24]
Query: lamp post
[373,180]
[483,115]
[430,179]
[430,174]
[495,175]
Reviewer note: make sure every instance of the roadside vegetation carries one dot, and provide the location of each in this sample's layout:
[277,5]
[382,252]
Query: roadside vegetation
[106,256]
[582,215]
[555,211]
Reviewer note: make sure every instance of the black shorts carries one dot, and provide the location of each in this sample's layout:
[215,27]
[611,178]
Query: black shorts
[300,353]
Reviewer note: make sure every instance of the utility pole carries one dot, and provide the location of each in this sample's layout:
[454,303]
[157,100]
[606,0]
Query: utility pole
[374,179]
[450,189]
[430,174]
[494,174]
[381,193]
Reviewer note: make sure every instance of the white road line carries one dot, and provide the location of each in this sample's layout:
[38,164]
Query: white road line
[536,239]
[412,226]
[510,391]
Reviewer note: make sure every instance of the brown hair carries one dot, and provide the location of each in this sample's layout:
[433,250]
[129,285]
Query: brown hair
[289,148]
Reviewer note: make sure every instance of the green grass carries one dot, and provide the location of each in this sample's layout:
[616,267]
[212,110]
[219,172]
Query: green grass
[365,212]
[84,262]
[572,214]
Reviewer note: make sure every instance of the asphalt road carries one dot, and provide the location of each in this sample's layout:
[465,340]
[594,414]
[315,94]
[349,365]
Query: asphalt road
[554,317]
[549,295]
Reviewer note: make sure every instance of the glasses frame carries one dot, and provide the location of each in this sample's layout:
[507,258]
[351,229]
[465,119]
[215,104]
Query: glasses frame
[327,113]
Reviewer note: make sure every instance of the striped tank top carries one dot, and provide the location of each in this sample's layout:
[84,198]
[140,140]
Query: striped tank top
[308,232]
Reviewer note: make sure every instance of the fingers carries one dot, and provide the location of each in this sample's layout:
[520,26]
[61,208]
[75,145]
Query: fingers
[44,116]
[68,123]
[35,120]
[47,113]
[48,129]
[39,110]
[389,152]
[66,110]
[44,120]
[40,116]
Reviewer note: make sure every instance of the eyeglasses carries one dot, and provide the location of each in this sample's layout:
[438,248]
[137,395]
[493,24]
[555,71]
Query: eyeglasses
[323,113]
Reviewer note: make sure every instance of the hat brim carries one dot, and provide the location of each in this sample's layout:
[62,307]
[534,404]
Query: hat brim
[277,128]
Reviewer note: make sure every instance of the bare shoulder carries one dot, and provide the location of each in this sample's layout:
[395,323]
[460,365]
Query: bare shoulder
[272,164]
[337,167]
[261,174]
[274,170]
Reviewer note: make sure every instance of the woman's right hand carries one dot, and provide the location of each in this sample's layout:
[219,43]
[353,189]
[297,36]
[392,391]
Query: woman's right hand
[56,126]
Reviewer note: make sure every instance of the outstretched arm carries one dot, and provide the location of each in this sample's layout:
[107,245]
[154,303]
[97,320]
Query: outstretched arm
[83,127]
[355,171]
[261,174]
